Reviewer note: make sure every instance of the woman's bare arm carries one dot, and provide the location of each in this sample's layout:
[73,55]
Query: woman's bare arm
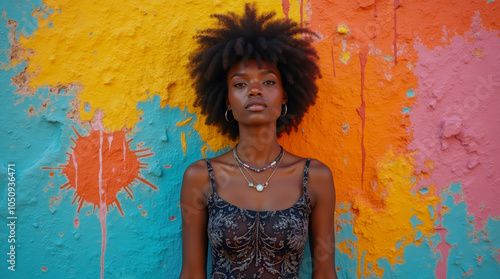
[194,221]
[322,234]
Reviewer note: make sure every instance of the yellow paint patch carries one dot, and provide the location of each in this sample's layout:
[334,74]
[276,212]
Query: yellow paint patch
[380,228]
[123,53]
[344,57]
[203,150]
[183,141]
[478,53]
[342,29]
[184,122]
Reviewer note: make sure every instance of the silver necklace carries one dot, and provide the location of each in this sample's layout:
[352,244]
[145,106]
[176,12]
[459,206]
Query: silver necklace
[273,163]
[260,186]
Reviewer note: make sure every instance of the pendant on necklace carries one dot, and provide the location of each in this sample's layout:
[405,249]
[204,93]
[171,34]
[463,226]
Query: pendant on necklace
[259,187]
[250,184]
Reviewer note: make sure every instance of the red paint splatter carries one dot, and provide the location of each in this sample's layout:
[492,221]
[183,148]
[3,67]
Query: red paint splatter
[361,112]
[172,218]
[395,43]
[51,174]
[333,57]
[44,269]
[286,7]
[301,13]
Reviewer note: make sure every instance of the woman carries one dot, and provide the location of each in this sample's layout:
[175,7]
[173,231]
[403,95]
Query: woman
[256,204]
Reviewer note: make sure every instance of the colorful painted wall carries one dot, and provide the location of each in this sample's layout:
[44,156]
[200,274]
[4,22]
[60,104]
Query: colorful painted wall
[96,112]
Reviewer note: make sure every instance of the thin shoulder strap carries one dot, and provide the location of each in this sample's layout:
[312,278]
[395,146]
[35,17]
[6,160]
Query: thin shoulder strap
[210,174]
[306,173]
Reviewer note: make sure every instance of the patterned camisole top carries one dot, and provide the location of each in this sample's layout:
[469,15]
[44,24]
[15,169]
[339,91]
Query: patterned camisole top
[257,244]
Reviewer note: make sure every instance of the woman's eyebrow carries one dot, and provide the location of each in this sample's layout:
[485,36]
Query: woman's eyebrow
[262,73]
[268,72]
[238,75]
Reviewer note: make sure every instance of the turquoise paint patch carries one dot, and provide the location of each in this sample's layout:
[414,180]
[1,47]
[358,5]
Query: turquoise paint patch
[424,190]
[456,188]
[418,235]
[19,12]
[415,222]
[405,109]
[348,264]
[467,244]
[410,93]
[419,261]
[388,57]
[345,128]
[431,211]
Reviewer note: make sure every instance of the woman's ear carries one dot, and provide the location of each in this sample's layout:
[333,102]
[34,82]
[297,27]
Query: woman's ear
[228,105]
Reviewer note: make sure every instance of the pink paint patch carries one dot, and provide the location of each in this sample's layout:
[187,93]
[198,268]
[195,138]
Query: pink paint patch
[444,249]
[455,119]
[286,7]
[172,218]
[76,222]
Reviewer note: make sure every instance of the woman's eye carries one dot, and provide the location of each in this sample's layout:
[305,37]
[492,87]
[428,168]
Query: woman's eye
[269,82]
[239,85]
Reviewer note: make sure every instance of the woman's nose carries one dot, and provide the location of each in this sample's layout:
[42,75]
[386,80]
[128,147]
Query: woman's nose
[255,92]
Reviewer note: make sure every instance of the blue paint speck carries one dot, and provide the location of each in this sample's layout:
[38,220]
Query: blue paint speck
[410,93]
[86,107]
[431,211]
[345,128]
[424,190]
[388,57]
[405,109]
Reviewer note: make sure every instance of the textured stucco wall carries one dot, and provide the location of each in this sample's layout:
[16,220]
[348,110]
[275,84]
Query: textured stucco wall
[96,112]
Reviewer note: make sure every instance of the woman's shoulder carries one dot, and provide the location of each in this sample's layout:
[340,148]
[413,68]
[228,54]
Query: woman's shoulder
[198,173]
[196,176]
[320,180]
[319,170]
[316,167]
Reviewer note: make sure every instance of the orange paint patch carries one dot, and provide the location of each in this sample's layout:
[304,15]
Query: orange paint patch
[44,269]
[51,174]
[144,213]
[106,159]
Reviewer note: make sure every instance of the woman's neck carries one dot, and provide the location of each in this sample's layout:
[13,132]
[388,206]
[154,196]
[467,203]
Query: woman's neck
[258,146]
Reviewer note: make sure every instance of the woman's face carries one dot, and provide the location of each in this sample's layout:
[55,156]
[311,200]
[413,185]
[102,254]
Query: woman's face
[255,95]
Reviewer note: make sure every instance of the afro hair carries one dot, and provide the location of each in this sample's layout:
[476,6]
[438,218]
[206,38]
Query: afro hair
[279,42]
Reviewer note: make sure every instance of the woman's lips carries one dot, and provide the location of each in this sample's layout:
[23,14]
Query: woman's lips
[256,107]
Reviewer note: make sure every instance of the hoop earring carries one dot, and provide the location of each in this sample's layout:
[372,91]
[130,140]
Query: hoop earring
[225,114]
[286,110]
